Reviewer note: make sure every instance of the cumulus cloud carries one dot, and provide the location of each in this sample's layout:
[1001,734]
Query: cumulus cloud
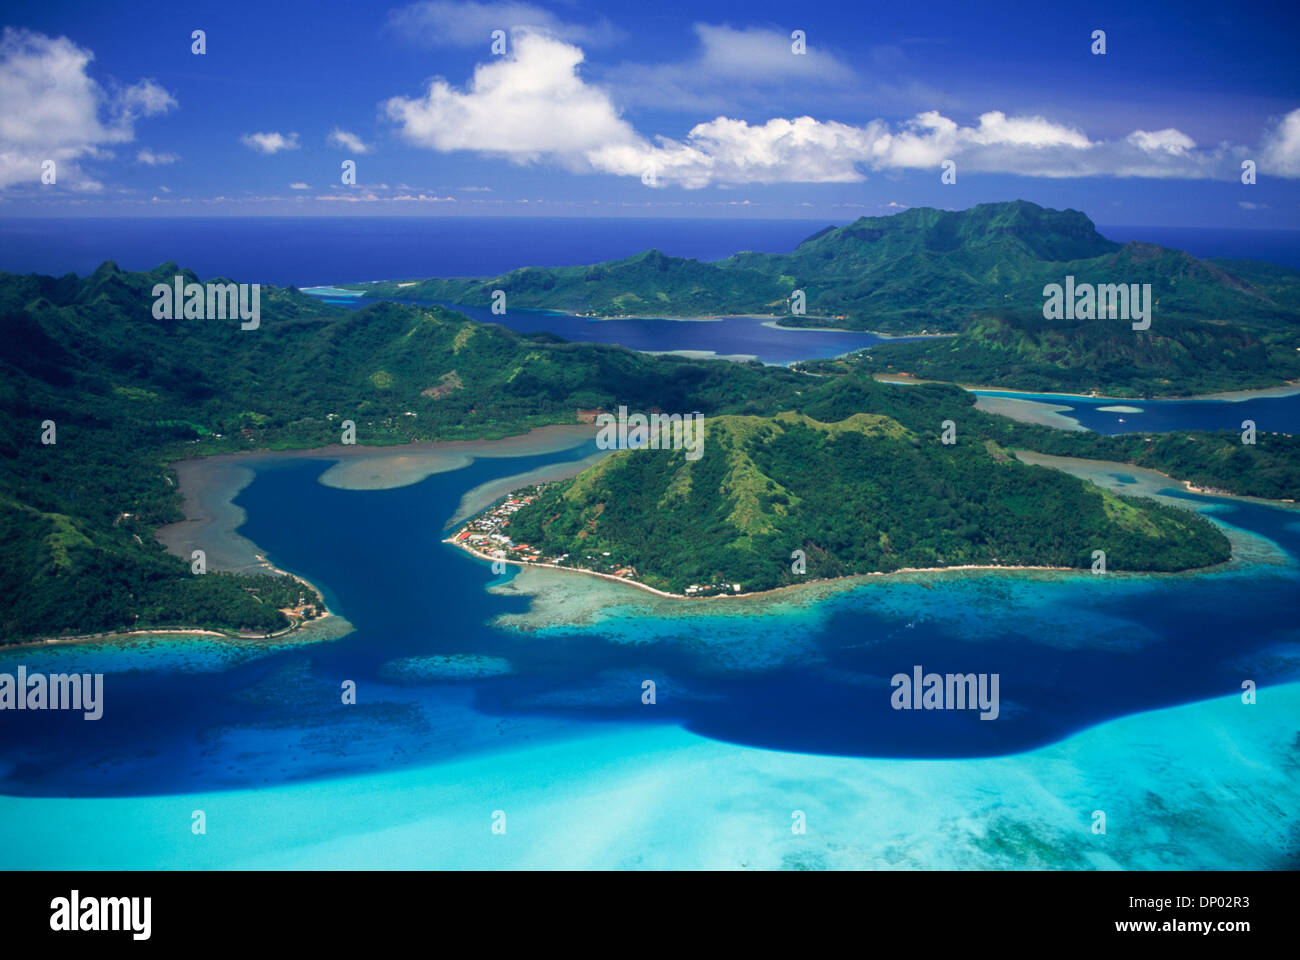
[54,110]
[269,143]
[347,141]
[527,106]
[147,156]
[468,23]
[1280,155]
[299,186]
[534,106]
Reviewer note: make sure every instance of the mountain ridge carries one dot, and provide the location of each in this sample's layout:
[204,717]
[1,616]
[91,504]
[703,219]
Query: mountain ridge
[926,270]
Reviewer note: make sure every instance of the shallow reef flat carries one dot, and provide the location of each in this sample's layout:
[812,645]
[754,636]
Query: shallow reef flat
[1030,411]
[1208,785]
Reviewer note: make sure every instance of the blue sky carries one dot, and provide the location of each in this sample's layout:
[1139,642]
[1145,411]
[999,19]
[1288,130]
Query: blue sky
[663,109]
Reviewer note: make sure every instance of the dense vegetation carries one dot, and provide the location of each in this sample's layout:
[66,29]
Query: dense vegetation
[979,273]
[1091,356]
[1268,468]
[860,495]
[129,394]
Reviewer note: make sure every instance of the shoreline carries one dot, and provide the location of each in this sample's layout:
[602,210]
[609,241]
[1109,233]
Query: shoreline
[768,319]
[1287,389]
[1025,456]
[848,578]
[209,484]
[1054,461]
[559,435]
[327,618]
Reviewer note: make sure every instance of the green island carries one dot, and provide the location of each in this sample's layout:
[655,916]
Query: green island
[863,494]
[130,394]
[978,274]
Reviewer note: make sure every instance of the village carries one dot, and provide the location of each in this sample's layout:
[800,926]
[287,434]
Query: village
[485,534]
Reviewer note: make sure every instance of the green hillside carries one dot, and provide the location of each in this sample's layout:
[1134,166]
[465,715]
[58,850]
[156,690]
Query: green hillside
[861,495]
[977,273]
[129,393]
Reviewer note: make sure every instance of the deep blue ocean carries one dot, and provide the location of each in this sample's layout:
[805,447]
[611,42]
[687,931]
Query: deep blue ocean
[316,251]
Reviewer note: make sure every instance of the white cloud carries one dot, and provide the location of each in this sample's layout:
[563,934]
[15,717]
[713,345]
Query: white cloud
[528,106]
[147,156]
[466,23]
[270,143]
[1170,141]
[299,186]
[52,110]
[145,99]
[534,106]
[347,141]
[723,150]
[1280,154]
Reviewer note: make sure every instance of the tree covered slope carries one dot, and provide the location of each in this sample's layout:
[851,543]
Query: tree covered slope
[977,273]
[861,495]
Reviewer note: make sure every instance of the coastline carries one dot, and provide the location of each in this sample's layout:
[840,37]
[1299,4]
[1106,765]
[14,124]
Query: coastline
[1085,468]
[328,626]
[479,498]
[776,324]
[407,463]
[768,319]
[1290,388]
[750,594]
[1041,412]
[208,487]
[1229,396]
[1147,482]
[209,484]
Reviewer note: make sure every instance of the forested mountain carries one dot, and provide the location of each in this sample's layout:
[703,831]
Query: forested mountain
[859,495]
[978,273]
[129,393]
